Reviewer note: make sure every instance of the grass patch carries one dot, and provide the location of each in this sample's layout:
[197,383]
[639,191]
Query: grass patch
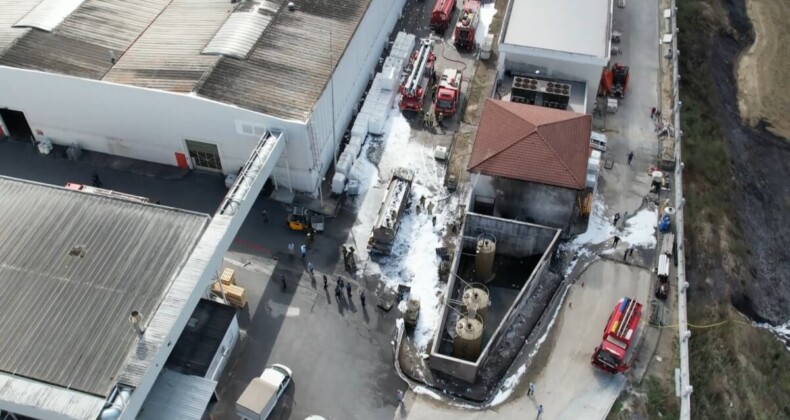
[661,400]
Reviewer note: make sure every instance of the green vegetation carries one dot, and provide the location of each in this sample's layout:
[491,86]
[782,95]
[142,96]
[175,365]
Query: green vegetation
[661,400]
[738,371]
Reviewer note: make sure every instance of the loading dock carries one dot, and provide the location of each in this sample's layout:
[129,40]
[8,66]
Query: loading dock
[15,125]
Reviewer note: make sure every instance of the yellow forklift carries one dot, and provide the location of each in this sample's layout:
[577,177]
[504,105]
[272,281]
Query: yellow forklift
[300,219]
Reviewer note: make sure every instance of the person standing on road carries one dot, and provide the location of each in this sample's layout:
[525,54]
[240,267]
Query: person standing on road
[531,390]
[348,289]
[630,157]
[96,181]
[616,218]
[339,281]
[653,112]
[303,249]
[401,395]
[282,280]
[362,297]
[326,282]
[540,411]
[265,217]
[310,269]
[616,240]
[338,292]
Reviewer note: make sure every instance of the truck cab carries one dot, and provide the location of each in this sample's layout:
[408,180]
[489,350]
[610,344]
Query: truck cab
[448,92]
[611,355]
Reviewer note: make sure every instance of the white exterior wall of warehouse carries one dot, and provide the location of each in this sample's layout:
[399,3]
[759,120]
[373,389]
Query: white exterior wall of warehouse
[353,72]
[134,122]
[154,125]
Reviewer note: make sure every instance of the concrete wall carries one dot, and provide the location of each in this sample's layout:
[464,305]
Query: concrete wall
[136,122]
[528,201]
[545,237]
[354,70]
[512,239]
[572,67]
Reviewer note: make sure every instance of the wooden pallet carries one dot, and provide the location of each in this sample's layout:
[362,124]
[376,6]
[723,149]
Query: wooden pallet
[228,277]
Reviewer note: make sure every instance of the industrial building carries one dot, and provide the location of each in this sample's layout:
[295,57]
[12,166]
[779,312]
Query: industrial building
[531,163]
[192,83]
[106,298]
[567,40]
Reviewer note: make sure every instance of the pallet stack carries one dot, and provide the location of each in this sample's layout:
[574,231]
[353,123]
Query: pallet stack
[236,295]
[228,277]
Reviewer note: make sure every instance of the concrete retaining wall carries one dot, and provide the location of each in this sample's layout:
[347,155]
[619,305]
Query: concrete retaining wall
[517,239]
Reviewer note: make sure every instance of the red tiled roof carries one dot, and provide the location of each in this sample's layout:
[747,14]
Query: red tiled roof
[532,143]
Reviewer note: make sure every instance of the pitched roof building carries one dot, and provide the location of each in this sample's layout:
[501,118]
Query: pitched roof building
[532,143]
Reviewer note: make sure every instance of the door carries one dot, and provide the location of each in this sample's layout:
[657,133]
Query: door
[204,155]
[16,123]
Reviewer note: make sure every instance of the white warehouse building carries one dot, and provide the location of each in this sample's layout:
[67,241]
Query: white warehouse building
[192,83]
[561,39]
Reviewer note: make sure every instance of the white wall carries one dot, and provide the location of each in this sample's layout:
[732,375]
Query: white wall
[136,122]
[353,72]
[573,67]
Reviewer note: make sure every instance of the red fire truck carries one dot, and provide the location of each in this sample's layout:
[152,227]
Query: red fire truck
[420,77]
[617,337]
[465,29]
[442,12]
[448,92]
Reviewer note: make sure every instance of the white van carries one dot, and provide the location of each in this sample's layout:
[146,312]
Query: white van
[261,395]
[598,141]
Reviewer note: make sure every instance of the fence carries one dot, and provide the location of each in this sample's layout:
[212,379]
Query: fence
[683,386]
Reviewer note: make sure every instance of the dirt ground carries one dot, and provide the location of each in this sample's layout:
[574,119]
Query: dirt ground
[763,85]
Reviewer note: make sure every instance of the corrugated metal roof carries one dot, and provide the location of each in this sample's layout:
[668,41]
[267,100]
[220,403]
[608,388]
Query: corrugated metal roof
[159,44]
[167,55]
[239,34]
[112,24]
[46,51]
[72,267]
[288,69]
[176,396]
[10,13]
[28,393]
[48,14]
[81,45]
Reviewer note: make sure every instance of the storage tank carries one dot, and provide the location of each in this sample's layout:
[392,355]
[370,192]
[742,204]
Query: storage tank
[476,299]
[468,338]
[484,257]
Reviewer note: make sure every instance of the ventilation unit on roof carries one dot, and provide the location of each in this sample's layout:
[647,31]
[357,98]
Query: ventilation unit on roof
[524,90]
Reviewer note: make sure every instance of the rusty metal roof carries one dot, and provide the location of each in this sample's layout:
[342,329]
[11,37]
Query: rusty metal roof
[532,143]
[276,63]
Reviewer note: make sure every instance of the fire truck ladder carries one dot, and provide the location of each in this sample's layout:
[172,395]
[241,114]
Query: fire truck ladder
[628,315]
[418,69]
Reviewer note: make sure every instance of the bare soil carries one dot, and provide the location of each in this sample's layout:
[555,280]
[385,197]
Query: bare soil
[763,69]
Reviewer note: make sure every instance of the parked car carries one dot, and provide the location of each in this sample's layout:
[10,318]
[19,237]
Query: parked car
[261,395]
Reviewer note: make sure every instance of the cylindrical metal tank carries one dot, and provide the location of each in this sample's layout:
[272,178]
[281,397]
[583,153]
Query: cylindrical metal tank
[476,299]
[468,338]
[484,257]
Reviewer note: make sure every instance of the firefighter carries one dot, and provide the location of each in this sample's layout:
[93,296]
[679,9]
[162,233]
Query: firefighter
[439,119]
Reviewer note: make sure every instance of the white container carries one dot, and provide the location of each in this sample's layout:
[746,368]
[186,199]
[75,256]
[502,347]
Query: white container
[353,150]
[338,183]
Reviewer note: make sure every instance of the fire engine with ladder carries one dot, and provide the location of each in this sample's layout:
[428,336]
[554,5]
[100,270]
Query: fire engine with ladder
[448,92]
[465,29]
[618,336]
[419,77]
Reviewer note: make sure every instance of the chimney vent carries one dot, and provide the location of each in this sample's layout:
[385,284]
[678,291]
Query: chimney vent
[136,318]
